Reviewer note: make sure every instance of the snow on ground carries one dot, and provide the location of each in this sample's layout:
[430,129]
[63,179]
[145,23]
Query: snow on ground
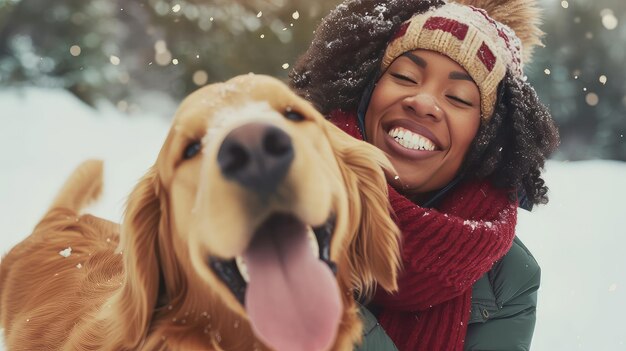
[579,239]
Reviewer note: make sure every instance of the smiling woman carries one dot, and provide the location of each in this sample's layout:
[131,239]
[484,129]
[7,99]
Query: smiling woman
[424,113]
[439,87]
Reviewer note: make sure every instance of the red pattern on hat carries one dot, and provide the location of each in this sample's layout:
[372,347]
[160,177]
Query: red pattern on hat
[486,56]
[501,33]
[456,28]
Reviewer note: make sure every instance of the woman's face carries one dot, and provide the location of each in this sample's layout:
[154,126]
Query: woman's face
[424,113]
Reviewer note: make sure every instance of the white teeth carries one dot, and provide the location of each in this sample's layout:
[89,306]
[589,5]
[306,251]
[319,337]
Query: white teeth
[313,241]
[408,137]
[415,141]
[411,140]
[243,269]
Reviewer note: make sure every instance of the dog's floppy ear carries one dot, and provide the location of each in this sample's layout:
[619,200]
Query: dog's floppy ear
[374,251]
[135,302]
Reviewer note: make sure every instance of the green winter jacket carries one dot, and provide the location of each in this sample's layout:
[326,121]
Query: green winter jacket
[503,310]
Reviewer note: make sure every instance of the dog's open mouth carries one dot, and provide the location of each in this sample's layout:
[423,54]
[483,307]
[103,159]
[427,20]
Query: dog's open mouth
[289,292]
[234,272]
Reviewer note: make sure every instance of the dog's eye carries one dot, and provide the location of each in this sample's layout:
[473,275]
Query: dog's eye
[294,116]
[192,150]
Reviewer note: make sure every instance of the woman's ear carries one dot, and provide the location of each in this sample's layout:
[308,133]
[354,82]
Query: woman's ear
[374,251]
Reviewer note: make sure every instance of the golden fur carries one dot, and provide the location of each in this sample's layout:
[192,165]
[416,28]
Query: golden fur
[144,285]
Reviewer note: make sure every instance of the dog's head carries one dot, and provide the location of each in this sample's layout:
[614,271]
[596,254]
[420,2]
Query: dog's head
[259,201]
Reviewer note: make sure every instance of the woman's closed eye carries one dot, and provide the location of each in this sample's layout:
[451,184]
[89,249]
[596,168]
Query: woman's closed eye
[403,78]
[459,100]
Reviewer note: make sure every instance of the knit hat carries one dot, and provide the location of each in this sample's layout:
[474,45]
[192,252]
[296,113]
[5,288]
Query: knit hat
[485,46]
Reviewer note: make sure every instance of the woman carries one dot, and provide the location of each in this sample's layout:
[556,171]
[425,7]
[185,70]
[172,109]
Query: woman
[439,87]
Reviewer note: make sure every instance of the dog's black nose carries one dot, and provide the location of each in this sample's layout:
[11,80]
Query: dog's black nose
[257,156]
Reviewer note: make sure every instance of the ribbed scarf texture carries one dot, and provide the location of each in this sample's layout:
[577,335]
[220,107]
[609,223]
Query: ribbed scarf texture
[444,252]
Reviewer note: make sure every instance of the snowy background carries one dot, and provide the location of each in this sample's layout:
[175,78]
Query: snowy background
[579,239]
[132,60]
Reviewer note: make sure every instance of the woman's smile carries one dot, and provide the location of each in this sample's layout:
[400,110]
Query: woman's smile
[408,139]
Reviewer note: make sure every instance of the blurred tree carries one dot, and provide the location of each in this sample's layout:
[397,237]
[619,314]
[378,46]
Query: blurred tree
[581,75]
[118,50]
[36,39]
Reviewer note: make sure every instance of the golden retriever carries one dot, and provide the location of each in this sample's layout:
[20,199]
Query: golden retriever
[255,229]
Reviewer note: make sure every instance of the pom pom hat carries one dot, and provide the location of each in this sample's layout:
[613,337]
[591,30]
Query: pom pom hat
[485,47]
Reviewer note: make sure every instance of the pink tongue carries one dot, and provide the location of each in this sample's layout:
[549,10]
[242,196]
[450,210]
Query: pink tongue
[292,298]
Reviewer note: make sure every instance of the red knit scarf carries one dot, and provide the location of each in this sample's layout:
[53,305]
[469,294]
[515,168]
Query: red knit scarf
[444,252]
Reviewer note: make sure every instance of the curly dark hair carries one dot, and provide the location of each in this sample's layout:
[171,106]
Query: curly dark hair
[345,56]
[511,148]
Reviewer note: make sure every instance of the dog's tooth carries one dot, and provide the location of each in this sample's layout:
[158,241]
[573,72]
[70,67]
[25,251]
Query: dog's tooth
[243,269]
[400,134]
[313,241]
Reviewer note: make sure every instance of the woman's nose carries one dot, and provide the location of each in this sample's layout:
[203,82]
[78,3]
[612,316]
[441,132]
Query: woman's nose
[424,105]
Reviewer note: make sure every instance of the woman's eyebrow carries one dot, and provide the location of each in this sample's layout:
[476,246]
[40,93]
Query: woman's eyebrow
[460,76]
[416,59]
